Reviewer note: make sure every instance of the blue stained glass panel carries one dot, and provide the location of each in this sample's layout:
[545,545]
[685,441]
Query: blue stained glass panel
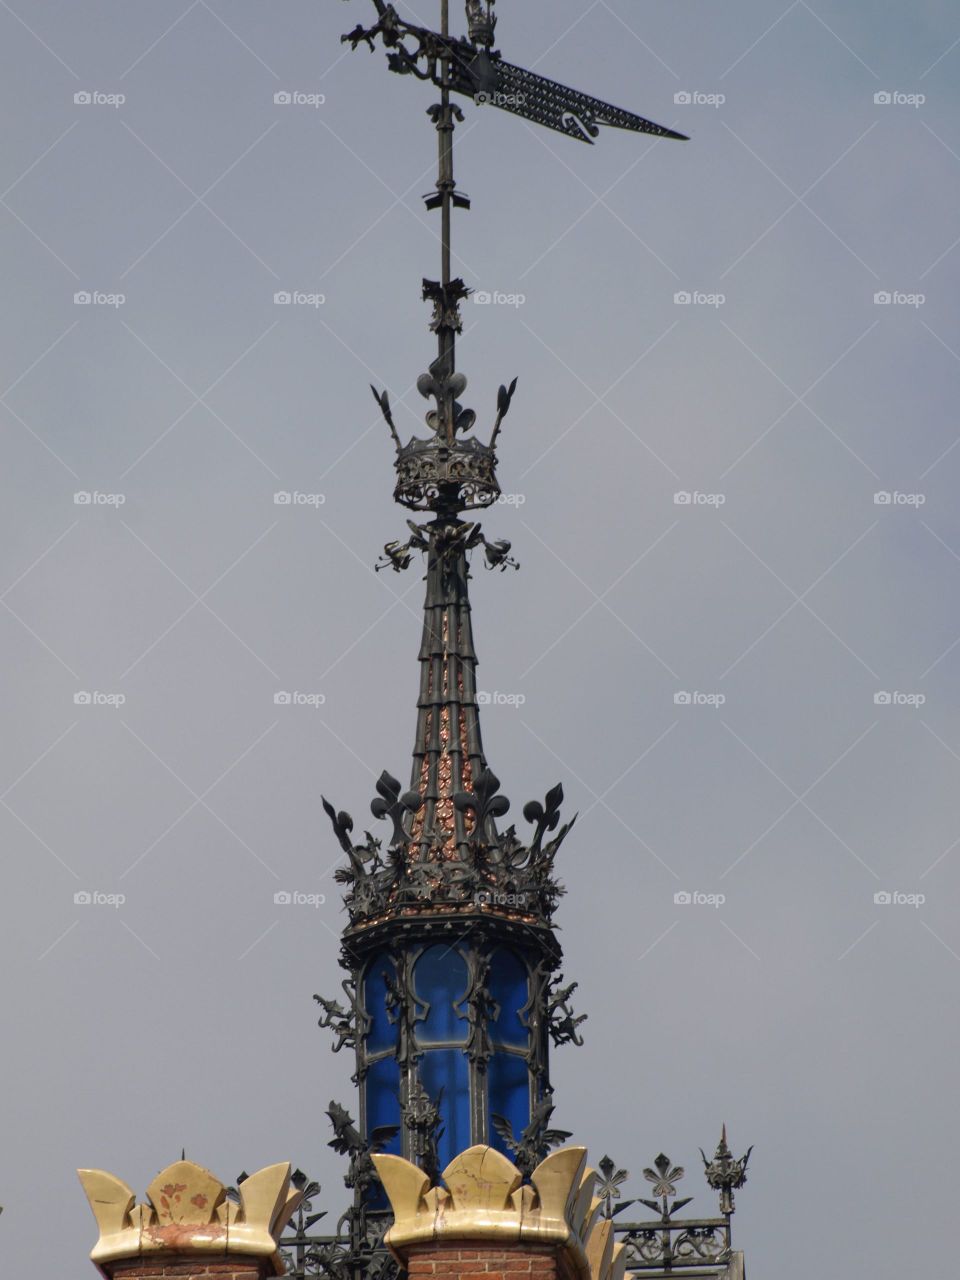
[440,980]
[383,1099]
[447,1069]
[381,1034]
[508,986]
[509,1095]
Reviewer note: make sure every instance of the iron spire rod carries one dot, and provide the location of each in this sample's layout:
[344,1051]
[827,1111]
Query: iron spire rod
[446,335]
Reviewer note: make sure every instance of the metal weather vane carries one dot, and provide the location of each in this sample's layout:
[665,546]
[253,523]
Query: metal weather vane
[472,67]
[452,471]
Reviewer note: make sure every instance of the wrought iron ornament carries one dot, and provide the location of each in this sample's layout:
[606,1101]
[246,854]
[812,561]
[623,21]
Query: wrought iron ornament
[473,68]
[454,994]
[655,1248]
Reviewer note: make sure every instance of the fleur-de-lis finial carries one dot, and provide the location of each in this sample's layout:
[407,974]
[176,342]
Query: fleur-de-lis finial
[663,1176]
[608,1186]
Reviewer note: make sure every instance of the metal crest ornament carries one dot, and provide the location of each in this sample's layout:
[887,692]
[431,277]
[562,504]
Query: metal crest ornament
[724,1173]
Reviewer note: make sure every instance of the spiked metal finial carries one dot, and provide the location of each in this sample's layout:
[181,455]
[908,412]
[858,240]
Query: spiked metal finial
[724,1173]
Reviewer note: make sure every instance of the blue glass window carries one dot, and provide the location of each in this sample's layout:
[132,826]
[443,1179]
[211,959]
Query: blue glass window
[508,986]
[383,1098]
[448,1069]
[381,1034]
[509,1095]
[440,980]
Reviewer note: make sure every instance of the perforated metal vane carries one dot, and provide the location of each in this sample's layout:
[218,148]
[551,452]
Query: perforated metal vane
[470,68]
[491,81]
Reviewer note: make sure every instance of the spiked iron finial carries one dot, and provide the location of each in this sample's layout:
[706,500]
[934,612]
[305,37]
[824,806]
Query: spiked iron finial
[724,1173]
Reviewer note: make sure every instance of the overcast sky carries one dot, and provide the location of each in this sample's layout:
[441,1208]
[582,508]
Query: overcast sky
[782,599]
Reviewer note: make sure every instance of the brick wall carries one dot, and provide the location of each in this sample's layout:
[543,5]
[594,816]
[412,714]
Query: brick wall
[181,1267]
[455,1262]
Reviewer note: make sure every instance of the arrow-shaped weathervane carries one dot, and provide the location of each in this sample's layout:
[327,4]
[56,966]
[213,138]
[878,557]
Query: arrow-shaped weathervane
[453,471]
[470,66]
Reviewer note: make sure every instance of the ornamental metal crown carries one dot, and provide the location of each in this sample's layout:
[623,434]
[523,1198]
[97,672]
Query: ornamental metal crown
[432,474]
[449,471]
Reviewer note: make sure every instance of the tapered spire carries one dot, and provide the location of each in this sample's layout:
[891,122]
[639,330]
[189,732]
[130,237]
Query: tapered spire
[447,749]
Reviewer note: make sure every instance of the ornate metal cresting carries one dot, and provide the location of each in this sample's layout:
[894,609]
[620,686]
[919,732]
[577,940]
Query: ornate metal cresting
[453,997]
[653,1248]
[669,1243]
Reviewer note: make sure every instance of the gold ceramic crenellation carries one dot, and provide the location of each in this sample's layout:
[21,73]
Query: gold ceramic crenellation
[187,1211]
[484,1199]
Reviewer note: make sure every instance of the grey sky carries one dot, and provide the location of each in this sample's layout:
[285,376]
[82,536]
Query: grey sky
[819,1025]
